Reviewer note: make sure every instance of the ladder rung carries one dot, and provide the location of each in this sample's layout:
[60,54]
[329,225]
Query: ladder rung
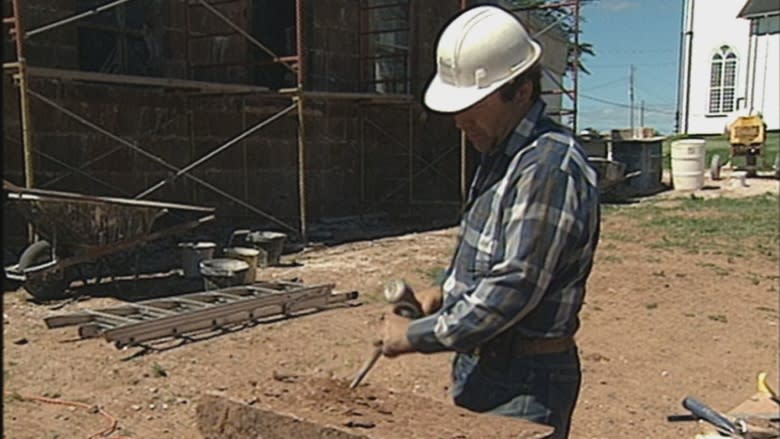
[10,65]
[9,20]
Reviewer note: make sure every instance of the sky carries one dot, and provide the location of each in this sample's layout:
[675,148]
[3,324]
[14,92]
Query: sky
[643,33]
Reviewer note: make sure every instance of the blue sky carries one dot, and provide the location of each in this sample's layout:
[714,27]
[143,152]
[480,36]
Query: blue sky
[645,33]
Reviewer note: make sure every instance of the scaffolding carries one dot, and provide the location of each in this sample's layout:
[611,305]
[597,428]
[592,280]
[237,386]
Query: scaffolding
[385,61]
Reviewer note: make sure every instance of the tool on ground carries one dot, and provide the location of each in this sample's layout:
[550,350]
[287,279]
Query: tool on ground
[401,295]
[739,427]
[763,387]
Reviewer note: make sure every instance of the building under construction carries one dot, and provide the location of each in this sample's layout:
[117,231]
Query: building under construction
[278,113]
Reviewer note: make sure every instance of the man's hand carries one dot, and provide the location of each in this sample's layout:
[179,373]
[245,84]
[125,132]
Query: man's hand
[394,341]
[430,299]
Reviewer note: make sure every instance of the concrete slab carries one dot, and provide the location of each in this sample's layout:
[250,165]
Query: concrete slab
[309,407]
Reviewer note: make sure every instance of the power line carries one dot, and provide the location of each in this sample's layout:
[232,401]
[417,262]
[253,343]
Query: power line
[621,105]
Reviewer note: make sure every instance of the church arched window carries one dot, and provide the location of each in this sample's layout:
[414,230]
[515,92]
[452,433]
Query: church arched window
[723,75]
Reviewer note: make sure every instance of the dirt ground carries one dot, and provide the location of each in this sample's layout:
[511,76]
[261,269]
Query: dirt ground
[657,326]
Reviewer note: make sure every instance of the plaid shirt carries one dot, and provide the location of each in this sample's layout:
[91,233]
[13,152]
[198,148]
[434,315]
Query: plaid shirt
[525,245]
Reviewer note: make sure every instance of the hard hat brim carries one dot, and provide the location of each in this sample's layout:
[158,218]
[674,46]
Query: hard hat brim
[442,97]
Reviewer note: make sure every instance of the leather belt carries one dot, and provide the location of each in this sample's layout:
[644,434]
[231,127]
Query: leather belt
[528,346]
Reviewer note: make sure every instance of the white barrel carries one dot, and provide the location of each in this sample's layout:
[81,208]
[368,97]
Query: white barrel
[688,164]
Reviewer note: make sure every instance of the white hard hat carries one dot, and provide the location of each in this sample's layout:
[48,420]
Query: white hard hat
[478,52]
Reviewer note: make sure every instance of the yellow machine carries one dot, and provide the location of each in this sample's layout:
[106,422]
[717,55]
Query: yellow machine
[747,136]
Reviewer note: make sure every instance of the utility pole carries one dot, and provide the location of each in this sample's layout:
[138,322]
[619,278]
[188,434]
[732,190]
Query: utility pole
[631,98]
[641,113]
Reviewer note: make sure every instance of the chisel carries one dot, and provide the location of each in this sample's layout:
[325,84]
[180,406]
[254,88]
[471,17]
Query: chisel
[401,295]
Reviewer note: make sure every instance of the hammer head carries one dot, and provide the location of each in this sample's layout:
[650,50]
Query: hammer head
[401,295]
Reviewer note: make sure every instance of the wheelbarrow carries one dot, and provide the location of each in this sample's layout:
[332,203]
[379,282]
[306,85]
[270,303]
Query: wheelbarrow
[610,173]
[78,230]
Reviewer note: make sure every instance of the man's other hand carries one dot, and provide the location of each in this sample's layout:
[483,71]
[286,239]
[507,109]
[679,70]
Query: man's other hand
[430,299]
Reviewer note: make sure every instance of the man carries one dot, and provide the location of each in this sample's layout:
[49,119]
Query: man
[509,304]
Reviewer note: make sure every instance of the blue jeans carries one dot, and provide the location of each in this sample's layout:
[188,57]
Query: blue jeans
[540,388]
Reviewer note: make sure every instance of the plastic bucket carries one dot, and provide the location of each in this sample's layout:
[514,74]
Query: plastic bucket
[688,164]
[248,255]
[191,255]
[270,243]
[223,272]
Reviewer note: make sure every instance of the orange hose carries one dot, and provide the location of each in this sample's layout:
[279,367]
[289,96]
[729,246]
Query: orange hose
[102,433]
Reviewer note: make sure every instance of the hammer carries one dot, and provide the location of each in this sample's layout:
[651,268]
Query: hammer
[398,293]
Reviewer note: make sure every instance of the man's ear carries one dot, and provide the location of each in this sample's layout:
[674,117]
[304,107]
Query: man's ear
[524,92]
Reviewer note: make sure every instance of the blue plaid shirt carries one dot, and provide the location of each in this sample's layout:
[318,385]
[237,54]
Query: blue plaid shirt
[525,245]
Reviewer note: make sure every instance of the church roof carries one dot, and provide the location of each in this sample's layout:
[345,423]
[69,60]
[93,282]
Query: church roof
[757,8]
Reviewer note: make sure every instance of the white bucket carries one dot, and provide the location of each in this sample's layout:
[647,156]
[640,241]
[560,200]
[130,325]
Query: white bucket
[191,255]
[688,164]
[248,255]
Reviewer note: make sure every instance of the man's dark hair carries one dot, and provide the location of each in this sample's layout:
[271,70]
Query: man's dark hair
[534,74]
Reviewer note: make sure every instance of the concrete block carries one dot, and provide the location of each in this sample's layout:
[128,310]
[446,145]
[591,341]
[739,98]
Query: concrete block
[309,408]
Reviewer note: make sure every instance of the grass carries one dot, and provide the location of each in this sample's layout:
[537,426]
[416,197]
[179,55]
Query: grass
[158,371]
[730,226]
[718,318]
[720,145]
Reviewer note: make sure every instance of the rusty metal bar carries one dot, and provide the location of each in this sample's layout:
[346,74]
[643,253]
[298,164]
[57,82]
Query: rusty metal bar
[301,127]
[575,75]
[244,33]
[216,151]
[76,17]
[410,148]
[299,41]
[301,167]
[464,185]
[111,78]
[548,6]
[162,162]
[24,102]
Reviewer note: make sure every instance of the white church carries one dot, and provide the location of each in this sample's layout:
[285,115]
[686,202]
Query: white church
[729,65]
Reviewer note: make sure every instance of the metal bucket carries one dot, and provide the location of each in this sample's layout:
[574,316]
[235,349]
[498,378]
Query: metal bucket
[223,272]
[191,255]
[248,255]
[270,244]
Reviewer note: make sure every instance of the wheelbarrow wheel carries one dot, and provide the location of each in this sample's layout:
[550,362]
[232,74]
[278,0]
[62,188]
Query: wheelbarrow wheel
[47,290]
[49,283]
